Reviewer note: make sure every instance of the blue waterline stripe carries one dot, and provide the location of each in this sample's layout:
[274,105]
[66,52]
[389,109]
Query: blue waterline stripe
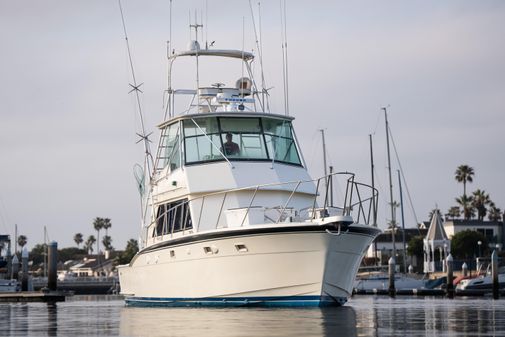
[290,301]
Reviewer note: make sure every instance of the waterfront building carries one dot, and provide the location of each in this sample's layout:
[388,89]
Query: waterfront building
[382,248]
[436,239]
[492,230]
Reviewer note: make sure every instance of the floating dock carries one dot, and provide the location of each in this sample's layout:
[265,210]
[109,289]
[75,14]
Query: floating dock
[34,296]
[427,292]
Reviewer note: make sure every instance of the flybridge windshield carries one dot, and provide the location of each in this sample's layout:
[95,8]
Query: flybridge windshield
[210,138]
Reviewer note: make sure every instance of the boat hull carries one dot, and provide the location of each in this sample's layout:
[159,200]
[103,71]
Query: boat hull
[481,283]
[264,266]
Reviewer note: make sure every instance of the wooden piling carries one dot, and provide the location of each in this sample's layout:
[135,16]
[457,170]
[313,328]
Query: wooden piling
[450,276]
[494,272]
[391,265]
[52,253]
[464,269]
[24,268]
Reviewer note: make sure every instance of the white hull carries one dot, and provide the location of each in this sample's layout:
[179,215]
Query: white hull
[481,283]
[298,264]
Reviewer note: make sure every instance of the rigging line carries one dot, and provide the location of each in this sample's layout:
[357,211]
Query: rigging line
[260,55]
[206,23]
[378,181]
[201,20]
[170,29]
[169,47]
[213,144]
[283,61]
[381,190]
[286,51]
[376,124]
[403,176]
[243,57]
[261,47]
[331,163]
[136,89]
[314,142]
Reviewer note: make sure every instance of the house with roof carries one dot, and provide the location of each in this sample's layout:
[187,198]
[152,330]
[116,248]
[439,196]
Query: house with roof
[492,230]
[382,247]
[437,245]
[93,267]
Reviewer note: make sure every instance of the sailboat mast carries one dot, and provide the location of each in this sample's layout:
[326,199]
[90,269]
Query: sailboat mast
[374,211]
[324,161]
[16,239]
[45,251]
[403,224]
[393,221]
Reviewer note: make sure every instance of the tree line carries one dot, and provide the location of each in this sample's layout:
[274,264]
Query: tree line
[98,225]
[476,205]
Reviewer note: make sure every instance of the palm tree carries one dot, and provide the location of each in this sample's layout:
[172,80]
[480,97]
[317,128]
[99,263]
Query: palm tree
[88,245]
[78,239]
[22,239]
[98,225]
[464,174]
[479,202]
[468,209]
[494,213]
[107,242]
[453,213]
[106,225]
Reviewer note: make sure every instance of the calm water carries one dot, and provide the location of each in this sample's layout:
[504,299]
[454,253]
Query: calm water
[362,316]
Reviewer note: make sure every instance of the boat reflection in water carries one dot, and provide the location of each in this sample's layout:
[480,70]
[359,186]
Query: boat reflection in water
[330,321]
[362,316]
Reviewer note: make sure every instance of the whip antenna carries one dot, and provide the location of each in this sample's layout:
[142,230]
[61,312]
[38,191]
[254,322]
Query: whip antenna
[136,89]
[284,47]
[263,86]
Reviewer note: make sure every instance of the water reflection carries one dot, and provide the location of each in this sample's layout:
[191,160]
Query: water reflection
[362,316]
[238,322]
[52,319]
[429,316]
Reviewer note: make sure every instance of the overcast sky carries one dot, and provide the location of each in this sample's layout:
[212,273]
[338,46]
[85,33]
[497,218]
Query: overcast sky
[67,123]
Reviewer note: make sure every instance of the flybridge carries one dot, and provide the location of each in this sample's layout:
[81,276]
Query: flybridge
[217,97]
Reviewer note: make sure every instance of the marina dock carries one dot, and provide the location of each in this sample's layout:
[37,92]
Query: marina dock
[427,292]
[34,296]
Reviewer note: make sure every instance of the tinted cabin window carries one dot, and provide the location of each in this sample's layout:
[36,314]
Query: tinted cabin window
[209,138]
[173,217]
[171,149]
[242,138]
[202,146]
[279,139]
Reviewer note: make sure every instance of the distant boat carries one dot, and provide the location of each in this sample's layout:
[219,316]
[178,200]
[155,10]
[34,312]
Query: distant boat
[9,286]
[481,283]
[380,281]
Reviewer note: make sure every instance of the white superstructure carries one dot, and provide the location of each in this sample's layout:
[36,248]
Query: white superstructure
[230,214]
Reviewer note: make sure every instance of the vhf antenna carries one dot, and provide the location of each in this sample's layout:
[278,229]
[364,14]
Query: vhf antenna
[144,137]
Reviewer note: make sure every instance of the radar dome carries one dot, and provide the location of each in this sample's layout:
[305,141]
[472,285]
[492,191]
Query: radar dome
[244,85]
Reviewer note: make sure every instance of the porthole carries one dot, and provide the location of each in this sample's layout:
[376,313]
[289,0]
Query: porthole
[241,248]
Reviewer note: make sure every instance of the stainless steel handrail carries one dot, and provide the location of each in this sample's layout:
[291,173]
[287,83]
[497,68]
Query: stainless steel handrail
[352,191]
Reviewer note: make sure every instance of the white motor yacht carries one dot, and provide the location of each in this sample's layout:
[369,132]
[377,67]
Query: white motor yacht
[230,215]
